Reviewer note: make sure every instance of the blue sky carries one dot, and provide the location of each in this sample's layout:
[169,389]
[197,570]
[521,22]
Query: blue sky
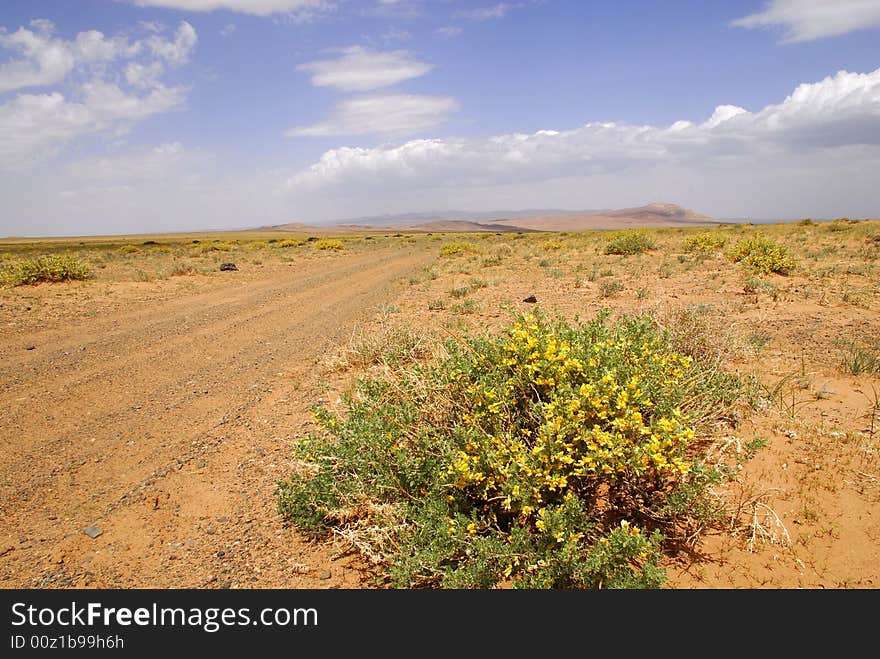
[124,116]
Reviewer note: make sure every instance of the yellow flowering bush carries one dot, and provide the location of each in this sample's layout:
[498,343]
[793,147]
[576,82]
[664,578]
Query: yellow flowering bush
[763,255]
[459,247]
[562,416]
[704,242]
[546,456]
[49,268]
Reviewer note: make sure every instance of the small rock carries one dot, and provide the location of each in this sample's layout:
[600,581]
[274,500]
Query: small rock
[210,530]
[228,266]
[226,584]
[531,298]
[324,575]
[93,532]
[201,464]
[29,347]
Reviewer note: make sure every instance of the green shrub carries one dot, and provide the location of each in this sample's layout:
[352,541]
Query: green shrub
[630,241]
[327,244]
[704,242]
[763,255]
[44,269]
[458,248]
[128,249]
[547,456]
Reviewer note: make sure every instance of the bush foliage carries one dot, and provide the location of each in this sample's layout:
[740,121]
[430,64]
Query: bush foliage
[704,242]
[460,247]
[547,456]
[763,255]
[630,241]
[55,268]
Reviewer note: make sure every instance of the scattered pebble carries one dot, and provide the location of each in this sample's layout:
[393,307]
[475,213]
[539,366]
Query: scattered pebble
[29,347]
[531,299]
[93,532]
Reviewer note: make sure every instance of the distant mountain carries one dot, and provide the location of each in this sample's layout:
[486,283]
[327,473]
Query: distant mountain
[415,219]
[654,214]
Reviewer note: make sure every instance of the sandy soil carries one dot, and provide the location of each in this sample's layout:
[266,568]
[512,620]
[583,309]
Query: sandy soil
[161,413]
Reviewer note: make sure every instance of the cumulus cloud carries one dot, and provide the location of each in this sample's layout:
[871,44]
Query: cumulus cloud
[840,111]
[807,20]
[35,126]
[253,7]
[388,114]
[42,60]
[359,69]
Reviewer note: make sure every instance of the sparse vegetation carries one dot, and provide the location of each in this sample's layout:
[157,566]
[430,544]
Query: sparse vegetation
[763,255]
[630,241]
[55,268]
[704,243]
[287,243]
[460,247]
[328,244]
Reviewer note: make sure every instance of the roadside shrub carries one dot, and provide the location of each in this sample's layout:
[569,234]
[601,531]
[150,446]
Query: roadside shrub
[546,456]
[256,244]
[704,242]
[457,248]
[763,255]
[56,268]
[630,241]
[326,244]
[552,244]
[128,249]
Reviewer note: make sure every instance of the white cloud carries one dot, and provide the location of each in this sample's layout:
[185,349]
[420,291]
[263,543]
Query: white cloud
[806,20]
[227,29]
[387,114]
[499,10]
[143,75]
[43,59]
[841,111]
[359,69]
[177,51]
[34,127]
[253,7]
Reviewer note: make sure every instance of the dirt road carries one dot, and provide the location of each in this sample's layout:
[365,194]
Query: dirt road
[163,427]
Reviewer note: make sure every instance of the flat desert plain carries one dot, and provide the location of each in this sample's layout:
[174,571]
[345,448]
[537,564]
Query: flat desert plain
[148,412]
